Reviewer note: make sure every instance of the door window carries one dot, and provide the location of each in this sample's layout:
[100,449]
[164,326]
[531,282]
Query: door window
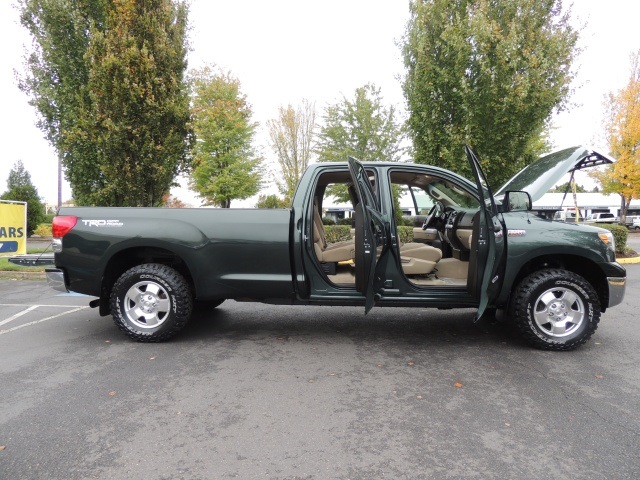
[435,241]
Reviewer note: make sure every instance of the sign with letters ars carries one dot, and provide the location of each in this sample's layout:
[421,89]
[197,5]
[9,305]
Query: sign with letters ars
[13,228]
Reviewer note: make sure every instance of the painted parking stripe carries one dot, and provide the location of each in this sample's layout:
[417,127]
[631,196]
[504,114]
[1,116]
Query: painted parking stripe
[18,315]
[40,305]
[2,332]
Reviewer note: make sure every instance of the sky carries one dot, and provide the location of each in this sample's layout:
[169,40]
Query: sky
[284,51]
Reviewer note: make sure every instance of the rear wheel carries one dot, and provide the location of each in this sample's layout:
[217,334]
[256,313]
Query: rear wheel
[151,302]
[555,309]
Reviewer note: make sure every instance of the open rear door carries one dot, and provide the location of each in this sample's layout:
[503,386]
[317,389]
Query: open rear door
[369,232]
[489,246]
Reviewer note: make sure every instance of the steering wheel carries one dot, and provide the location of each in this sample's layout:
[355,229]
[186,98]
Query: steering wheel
[434,214]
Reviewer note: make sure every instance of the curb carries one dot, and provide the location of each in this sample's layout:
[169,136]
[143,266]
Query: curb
[10,275]
[628,261]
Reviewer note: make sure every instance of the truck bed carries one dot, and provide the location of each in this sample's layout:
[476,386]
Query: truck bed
[228,253]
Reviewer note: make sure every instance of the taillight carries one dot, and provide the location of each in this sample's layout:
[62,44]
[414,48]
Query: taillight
[62,224]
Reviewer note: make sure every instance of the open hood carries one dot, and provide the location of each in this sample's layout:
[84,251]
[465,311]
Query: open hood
[538,177]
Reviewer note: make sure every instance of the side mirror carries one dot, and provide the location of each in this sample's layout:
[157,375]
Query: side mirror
[516,202]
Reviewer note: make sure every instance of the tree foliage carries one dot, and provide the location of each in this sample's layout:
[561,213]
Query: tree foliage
[21,189]
[567,187]
[107,79]
[291,135]
[225,166]
[487,73]
[169,201]
[57,73]
[623,133]
[362,127]
[271,201]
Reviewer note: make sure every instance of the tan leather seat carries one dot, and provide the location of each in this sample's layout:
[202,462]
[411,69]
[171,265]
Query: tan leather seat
[329,252]
[416,266]
[421,251]
[416,258]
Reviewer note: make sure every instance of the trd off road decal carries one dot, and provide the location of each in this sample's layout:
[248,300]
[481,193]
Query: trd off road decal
[102,223]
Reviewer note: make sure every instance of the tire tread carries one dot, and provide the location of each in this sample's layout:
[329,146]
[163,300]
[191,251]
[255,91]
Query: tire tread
[184,302]
[524,291]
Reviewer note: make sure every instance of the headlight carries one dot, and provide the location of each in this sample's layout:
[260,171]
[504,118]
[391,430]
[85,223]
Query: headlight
[607,237]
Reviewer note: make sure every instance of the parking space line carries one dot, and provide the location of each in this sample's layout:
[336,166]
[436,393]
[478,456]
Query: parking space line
[40,305]
[2,332]
[18,315]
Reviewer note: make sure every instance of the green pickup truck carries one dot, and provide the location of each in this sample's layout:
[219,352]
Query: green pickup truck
[148,267]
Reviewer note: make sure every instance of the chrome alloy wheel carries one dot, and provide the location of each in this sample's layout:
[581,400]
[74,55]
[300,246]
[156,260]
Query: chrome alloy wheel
[147,304]
[559,312]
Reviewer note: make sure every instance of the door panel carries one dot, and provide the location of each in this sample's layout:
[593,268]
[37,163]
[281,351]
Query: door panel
[369,232]
[488,248]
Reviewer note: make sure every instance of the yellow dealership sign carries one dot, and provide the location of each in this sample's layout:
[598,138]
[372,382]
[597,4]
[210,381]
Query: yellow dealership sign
[13,227]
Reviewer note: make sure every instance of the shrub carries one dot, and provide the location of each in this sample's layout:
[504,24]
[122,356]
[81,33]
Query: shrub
[271,201]
[43,230]
[345,221]
[48,218]
[328,221]
[405,234]
[619,235]
[337,233]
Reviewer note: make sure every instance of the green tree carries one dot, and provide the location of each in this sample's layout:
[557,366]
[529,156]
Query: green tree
[138,111]
[487,73]
[271,201]
[622,125]
[107,80]
[21,189]
[291,135]
[362,127]
[57,77]
[225,166]
[566,187]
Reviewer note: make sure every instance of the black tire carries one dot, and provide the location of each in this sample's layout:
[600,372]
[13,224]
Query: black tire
[151,302]
[555,309]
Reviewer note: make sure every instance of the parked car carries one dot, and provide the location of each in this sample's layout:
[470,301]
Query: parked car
[629,220]
[636,223]
[602,218]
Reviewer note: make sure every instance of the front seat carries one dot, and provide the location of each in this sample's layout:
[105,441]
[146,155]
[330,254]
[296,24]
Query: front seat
[419,258]
[421,251]
[416,258]
[334,252]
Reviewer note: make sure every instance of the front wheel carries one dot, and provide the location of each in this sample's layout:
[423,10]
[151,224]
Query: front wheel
[151,302]
[555,309]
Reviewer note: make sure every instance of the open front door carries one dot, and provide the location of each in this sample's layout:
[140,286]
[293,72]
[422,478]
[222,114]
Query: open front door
[489,248]
[369,232]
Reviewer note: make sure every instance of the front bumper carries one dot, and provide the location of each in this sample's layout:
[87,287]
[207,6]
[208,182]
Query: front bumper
[617,287]
[55,279]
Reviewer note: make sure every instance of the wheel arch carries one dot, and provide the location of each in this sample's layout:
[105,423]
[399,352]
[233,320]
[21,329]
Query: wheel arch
[585,267]
[130,257]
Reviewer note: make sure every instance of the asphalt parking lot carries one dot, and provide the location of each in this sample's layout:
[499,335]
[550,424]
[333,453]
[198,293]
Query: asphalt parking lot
[254,391]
